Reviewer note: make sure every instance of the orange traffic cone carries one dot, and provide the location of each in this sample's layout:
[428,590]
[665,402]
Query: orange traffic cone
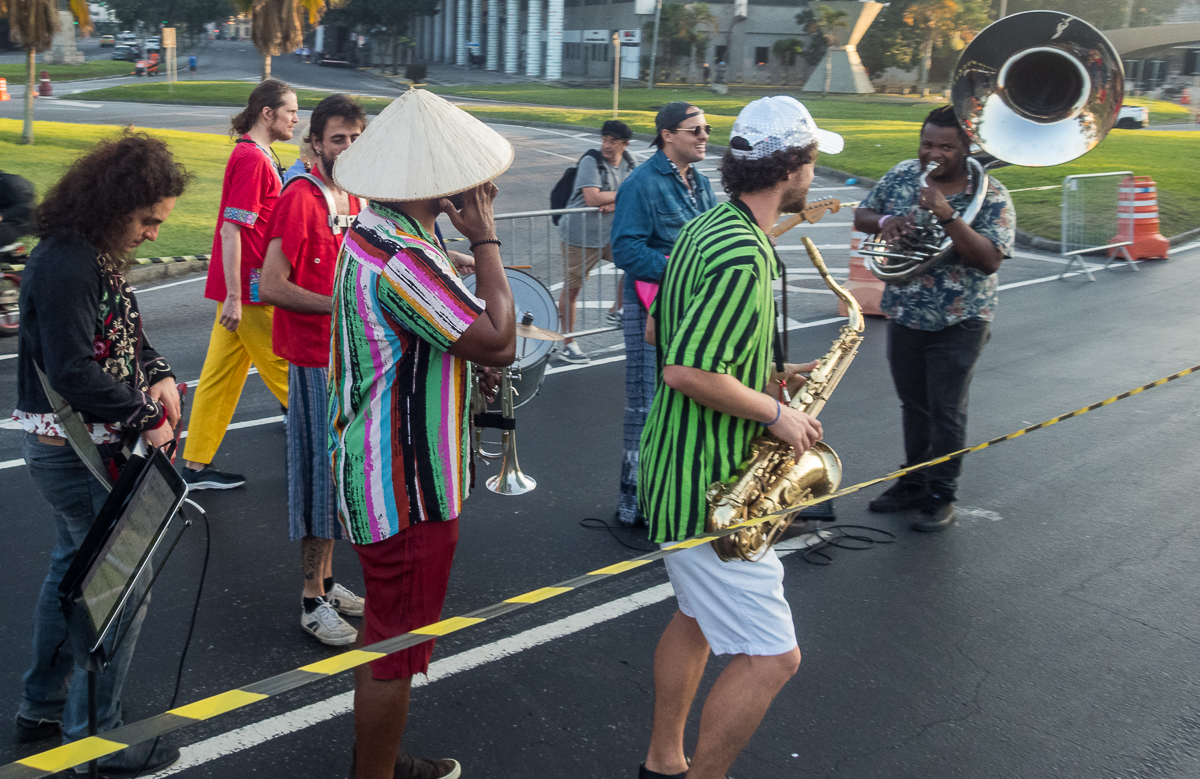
[44,87]
[4,90]
[1137,219]
[861,283]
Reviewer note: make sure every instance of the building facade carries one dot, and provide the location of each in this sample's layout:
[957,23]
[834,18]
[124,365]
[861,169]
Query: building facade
[555,39]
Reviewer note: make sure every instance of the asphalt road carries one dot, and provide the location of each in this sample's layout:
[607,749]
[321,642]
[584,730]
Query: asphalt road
[1051,632]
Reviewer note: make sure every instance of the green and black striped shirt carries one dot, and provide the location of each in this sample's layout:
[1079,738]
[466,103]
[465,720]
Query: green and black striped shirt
[715,311]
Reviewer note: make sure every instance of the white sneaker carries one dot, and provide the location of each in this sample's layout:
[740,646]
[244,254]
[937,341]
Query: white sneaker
[326,626]
[572,353]
[343,601]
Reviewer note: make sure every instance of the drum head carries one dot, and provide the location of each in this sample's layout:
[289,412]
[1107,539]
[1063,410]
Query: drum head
[529,296]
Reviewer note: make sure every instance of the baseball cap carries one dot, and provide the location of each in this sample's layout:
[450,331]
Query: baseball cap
[771,124]
[670,115]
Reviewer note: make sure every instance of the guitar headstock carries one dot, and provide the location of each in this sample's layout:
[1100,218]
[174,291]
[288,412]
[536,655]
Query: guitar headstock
[814,212]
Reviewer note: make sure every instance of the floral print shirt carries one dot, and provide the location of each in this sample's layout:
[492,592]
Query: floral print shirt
[950,292]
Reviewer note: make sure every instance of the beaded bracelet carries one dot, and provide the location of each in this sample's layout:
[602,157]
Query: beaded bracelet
[486,240]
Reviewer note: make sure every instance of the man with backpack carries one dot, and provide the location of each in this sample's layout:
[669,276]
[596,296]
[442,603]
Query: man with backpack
[592,183]
[307,226]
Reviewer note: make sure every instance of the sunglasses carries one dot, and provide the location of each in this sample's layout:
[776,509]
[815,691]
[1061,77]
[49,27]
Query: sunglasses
[705,128]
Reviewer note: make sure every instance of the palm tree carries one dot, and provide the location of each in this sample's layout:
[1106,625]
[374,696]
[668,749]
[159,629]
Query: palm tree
[276,26]
[33,23]
[697,25]
[786,49]
[943,21]
[824,21]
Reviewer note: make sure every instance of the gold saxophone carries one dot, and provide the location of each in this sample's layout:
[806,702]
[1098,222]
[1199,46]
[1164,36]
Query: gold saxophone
[771,478]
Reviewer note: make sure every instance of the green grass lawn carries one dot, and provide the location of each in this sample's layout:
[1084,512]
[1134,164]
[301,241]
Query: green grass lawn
[90,69]
[1162,111]
[231,93]
[879,132]
[190,228]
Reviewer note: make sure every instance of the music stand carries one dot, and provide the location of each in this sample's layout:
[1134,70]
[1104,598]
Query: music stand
[103,578]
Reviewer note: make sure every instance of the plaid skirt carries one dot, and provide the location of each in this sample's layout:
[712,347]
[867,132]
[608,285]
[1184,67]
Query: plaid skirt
[311,509]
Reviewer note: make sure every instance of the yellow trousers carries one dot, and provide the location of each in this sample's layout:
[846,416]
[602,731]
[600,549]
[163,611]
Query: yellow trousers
[224,375]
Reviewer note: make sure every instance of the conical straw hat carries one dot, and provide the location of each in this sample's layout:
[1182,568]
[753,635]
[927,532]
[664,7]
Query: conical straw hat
[421,147]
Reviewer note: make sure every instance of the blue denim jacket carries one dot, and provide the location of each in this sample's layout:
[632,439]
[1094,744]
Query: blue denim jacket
[652,207]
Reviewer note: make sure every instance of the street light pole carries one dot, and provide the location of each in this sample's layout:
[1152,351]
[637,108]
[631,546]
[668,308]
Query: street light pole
[654,49]
[1003,9]
[616,70]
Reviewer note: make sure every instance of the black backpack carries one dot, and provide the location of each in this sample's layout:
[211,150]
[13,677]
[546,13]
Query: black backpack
[561,194]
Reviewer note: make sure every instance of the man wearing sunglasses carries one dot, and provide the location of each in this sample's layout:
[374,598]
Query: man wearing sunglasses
[653,204]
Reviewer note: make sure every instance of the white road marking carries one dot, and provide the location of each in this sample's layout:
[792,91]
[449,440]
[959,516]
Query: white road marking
[973,513]
[555,154]
[1184,248]
[140,291]
[819,246]
[250,736]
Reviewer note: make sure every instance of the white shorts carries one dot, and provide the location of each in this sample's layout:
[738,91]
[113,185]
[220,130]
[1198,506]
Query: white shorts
[739,605]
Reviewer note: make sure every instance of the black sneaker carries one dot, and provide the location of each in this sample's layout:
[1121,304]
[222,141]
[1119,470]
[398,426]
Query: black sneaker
[646,773]
[901,496]
[209,478]
[145,758]
[937,514]
[36,730]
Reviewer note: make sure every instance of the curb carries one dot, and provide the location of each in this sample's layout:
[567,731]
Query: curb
[152,268]
[1036,242]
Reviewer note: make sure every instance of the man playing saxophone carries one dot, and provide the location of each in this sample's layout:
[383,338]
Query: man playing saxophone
[716,332]
[941,319]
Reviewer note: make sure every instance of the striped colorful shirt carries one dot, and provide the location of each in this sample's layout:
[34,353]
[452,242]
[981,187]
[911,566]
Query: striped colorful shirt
[398,400]
[715,311]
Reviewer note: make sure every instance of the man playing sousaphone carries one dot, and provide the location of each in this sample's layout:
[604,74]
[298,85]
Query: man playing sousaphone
[940,319]
[404,328]
[716,331]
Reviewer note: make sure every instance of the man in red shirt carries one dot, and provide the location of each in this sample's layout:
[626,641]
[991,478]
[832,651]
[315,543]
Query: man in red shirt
[242,333]
[306,230]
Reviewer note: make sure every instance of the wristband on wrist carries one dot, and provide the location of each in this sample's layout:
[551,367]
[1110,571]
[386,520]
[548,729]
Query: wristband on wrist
[883,219]
[476,244]
[778,412]
[953,216]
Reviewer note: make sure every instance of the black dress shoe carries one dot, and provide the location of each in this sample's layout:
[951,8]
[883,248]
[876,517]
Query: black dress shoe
[900,496]
[937,514]
[36,730]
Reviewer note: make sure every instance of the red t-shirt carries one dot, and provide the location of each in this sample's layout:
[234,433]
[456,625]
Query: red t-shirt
[301,220]
[248,195]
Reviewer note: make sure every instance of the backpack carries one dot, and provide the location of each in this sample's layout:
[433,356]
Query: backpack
[561,194]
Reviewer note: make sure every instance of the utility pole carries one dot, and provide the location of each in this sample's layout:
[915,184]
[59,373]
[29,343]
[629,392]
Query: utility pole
[654,49]
[1128,13]
[1003,9]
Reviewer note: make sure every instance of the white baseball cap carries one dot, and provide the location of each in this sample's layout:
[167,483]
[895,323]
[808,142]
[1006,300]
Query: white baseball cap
[771,124]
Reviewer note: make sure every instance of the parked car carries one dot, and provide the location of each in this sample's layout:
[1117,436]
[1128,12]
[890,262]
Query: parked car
[1133,117]
[126,37]
[125,52]
[107,41]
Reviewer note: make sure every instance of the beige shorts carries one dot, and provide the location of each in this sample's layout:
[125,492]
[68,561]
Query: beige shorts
[579,261]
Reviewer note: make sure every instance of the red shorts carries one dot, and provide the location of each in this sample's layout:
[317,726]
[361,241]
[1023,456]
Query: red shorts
[406,577]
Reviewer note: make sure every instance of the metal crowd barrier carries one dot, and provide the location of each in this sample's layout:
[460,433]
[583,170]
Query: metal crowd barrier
[531,238]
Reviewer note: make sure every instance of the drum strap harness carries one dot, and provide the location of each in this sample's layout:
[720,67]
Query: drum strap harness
[337,222]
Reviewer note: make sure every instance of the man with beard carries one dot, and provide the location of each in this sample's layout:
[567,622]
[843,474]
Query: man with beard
[657,199]
[306,232]
[941,319]
[715,332]
[241,335]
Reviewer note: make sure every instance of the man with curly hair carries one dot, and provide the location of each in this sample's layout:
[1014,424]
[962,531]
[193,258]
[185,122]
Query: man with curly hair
[719,386]
[80,326]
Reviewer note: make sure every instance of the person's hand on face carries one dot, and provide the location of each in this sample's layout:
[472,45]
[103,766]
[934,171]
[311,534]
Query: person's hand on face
[475,219]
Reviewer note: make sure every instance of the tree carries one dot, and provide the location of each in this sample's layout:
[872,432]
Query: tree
[823,23]
[787,49]
[684,30]
[889,42]
[33,23]
[953,22]
[277,26]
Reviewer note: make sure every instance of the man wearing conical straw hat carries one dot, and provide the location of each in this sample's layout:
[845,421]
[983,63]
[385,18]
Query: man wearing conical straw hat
[404,329]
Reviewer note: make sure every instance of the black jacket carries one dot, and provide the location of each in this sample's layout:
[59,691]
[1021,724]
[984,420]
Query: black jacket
[82,327]
[17,202]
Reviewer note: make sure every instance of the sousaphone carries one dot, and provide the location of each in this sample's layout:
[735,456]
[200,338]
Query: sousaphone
[1034,89]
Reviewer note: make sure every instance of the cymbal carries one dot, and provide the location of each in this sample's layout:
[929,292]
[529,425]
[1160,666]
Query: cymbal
[537,333]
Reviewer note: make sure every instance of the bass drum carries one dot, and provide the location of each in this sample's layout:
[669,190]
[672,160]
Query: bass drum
[530,297]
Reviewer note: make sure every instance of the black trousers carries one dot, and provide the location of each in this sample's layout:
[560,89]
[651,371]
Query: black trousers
[932,370]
